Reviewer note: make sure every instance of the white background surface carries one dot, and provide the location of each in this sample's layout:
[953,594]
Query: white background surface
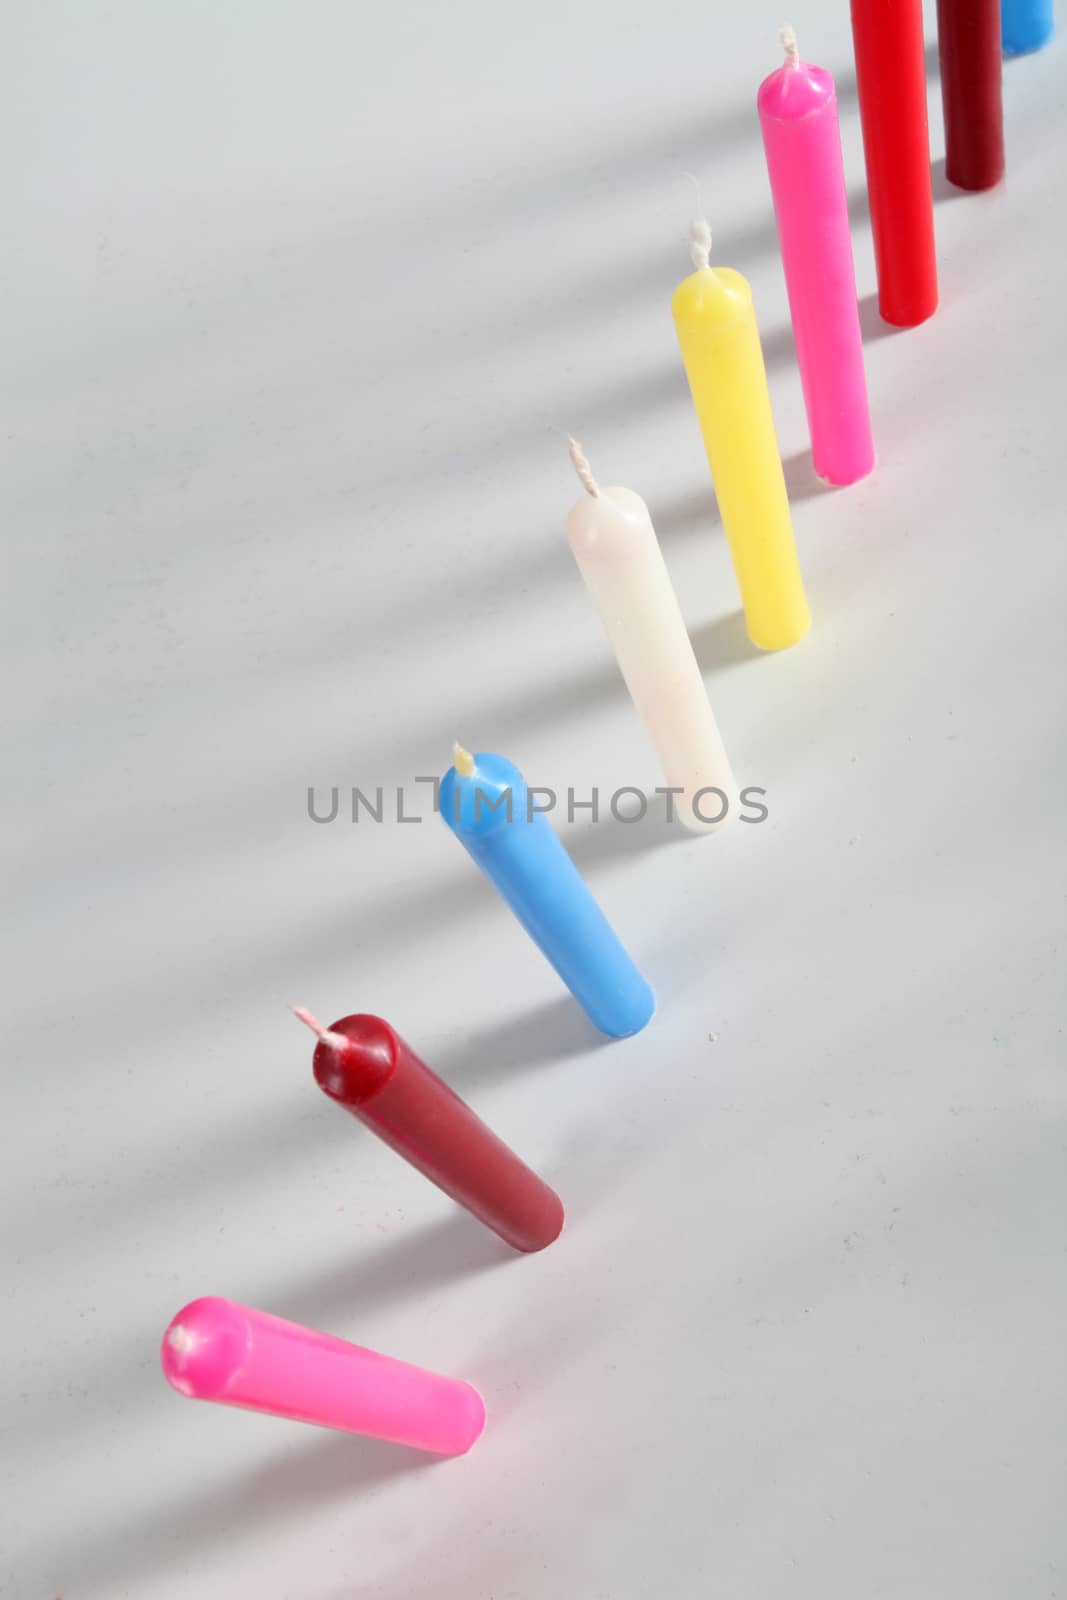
[294,297]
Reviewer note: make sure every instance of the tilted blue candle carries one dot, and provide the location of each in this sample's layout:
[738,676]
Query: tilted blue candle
[517,849]
[1025,25]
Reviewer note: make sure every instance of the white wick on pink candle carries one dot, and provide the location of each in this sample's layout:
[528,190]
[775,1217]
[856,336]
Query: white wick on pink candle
[584,470]
[180,1339]
[789,45]
[700,242]
[336,1041]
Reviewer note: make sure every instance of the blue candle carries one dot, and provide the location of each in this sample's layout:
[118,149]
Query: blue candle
[1025,25]
[485,801]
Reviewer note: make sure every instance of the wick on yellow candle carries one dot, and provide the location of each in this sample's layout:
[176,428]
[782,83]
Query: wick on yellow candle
[336,1041]
[463,761]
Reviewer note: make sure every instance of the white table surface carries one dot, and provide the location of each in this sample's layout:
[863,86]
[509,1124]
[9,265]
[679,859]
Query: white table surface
[296,300]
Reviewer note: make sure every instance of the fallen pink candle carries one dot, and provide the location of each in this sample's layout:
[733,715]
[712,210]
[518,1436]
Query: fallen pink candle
[798,118]
[218,1350]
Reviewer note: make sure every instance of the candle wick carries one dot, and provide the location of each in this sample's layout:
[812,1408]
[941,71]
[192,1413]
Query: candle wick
[180,1339]
[463,761]
[336,1041]
[789,45]
[700,242]
[583,469]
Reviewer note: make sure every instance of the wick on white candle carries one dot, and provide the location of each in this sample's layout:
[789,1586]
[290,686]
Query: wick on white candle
[789,45]
[700,242]
[180,1339]
[583,469]
[336,1041]
[463,761]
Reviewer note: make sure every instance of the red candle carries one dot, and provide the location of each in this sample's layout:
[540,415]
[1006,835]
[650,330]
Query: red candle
[968,39]
[367,1068]
[891,79]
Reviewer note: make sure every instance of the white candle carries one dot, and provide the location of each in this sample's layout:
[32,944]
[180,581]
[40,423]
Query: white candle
[618,555]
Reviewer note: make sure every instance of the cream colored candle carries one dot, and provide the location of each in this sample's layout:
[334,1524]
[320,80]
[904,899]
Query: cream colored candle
[618,555]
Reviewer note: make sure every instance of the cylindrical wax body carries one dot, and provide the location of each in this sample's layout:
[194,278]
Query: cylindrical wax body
[618,555]
[494,816]
[1026,25]
[798,118]
[380,1080]
[716,325]
[968,42]
[891,79]
[218,1350]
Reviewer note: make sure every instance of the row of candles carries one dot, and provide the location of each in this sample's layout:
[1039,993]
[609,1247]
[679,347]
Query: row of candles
[219,1350]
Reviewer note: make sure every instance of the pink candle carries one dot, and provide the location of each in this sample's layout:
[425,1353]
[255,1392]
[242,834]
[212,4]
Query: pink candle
[219,1350]
[798,117]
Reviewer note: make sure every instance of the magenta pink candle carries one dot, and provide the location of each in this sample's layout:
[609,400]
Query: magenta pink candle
[219,1350]
[798,117]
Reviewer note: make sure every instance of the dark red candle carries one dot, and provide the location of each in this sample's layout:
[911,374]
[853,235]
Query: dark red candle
[891,80]
[968,41]
[367,1068]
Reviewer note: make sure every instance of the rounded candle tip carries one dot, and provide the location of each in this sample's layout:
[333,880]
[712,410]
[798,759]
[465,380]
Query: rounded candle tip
[789,45]
[205,1346]
[463,761]
[700,242]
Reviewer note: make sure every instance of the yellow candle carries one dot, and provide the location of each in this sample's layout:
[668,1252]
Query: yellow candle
[716,325]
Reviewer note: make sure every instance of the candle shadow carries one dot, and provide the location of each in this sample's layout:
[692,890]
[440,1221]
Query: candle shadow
[802,482]
[541,1035]
[872,324]
[112,1383]
[454,1247]
[942,188]
[610,839]
[693,511]
[292,1481]
[287,1128]
[724,643]
[779,347]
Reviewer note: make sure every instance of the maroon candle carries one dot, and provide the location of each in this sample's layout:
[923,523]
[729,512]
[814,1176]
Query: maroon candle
[367,1068]
[969,45]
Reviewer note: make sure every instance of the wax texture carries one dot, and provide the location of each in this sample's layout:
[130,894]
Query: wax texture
[619,557]
[716,325]
[216,1349]
[968,42]
[802,141]
[1026,25]
[497,820]
[380,1080]
[891,79]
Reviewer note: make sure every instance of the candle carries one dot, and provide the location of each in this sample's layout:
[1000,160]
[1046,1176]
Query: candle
[968,42]
[1025,25]
[367,1068]
[891,79]
[218,1350]
[614,543]
[798,119]
[716,326]
[485,801]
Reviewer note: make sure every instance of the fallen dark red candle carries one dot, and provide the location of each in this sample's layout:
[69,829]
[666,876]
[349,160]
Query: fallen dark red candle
[891,81]
[968,41]
[367,1068]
